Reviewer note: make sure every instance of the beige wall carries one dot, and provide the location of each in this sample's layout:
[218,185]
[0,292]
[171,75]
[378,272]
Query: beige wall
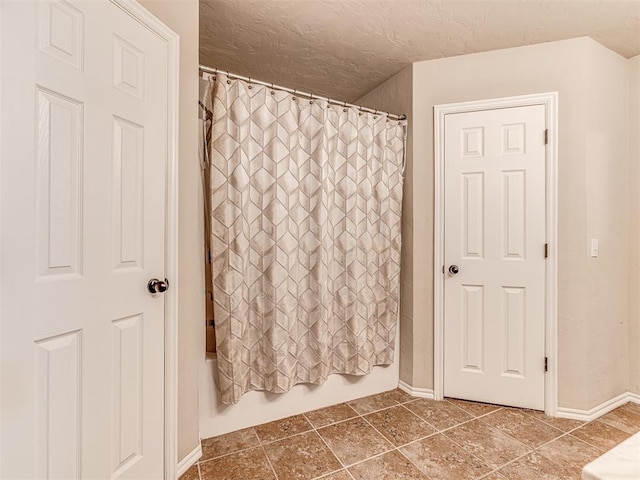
[634,224]
[396,96]
[607,170]
[592,171]
[182,17]
[561,67]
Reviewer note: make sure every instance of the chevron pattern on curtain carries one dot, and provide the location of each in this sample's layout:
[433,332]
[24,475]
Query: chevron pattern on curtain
[305,205]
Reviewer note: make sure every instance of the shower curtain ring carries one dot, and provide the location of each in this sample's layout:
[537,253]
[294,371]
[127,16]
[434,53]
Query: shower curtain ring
[311,99]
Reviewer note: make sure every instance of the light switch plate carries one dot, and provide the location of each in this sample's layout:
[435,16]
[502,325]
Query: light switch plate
[594,248]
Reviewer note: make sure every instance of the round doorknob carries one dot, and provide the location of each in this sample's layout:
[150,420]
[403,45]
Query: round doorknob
[453,269]
[157,286]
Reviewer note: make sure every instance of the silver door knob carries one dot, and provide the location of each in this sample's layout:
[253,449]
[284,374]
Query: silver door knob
[157,286]
[453,269]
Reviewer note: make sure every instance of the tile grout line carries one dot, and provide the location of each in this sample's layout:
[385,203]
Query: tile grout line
[498,407]
[384,408]
[497,470]
[479,417]
[600,449]
[275,475]
[328,447]
[382,435]
[437,431]
[398,404]
[531,449]
[584,424]
[565,434]
[362,416]
[548,423]
[472,454]
[518,440]
[397,448]
[261,442]
[419,418]
[604,423]
[358,415]
[440,431]
[235,451]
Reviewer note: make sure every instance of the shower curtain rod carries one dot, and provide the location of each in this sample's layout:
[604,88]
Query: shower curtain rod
[310,96]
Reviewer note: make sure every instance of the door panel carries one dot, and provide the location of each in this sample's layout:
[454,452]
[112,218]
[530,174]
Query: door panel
[495,234]
[84,155]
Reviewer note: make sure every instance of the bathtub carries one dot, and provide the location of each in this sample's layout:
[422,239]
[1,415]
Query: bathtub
[255,408]
[622,462]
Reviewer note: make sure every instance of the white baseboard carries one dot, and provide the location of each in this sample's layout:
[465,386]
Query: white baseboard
[415,391]
[599,410]
[189,460]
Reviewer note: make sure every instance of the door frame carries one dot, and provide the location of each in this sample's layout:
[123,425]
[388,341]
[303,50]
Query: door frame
[550,101]
[146,18]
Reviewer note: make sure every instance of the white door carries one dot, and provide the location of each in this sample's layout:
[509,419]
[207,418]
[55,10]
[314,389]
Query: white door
[494,306]
[83,159]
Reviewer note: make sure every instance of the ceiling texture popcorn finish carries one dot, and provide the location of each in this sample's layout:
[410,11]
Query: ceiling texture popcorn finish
[345,48]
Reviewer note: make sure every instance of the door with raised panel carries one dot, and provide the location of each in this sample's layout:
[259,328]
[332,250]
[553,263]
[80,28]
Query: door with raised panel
[494,241]
[84,154]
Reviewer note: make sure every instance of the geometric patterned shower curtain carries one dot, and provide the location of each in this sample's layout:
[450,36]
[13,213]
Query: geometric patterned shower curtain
[305,205]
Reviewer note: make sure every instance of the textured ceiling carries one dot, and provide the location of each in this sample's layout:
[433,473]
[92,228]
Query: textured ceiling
[345,48]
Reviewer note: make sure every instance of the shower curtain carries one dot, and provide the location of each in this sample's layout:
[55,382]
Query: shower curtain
[305,204]
[204,139]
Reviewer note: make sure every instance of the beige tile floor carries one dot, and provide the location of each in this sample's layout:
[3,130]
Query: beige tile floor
[393,436]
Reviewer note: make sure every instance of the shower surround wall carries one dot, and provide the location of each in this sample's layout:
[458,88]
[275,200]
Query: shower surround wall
[593,186]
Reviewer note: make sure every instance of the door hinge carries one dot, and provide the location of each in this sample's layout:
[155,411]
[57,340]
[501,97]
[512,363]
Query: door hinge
[546,136]
[546,364]
[442,268]
[546,250]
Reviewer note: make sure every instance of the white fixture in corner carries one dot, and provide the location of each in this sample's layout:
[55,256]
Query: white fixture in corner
[622,462]
[594,248]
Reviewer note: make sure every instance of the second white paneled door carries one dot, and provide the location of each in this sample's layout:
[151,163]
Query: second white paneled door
[494,246]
